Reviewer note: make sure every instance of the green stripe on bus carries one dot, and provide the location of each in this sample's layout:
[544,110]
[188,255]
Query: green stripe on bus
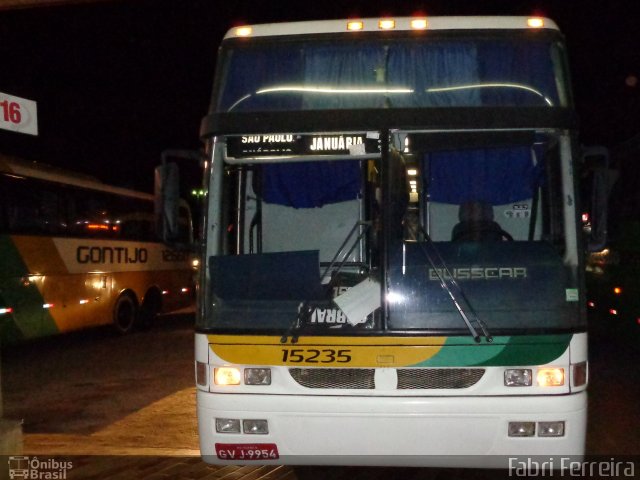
[28,318]
[503,351]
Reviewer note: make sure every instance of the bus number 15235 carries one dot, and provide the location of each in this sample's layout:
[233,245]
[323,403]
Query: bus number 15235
[312,355]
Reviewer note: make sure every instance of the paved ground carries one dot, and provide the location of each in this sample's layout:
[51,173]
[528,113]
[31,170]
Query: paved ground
[96,393]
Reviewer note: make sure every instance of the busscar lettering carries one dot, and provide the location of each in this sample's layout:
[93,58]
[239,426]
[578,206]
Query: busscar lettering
[111,255]
[333,143]
[478,273]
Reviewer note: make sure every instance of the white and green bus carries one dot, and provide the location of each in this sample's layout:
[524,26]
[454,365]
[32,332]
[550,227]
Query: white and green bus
[391,262]
[78,253]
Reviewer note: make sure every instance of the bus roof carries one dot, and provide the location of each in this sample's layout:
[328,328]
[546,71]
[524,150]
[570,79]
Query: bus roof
[391,23]
[42,171]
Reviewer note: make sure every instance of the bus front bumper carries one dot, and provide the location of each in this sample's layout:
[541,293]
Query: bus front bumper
[416,431]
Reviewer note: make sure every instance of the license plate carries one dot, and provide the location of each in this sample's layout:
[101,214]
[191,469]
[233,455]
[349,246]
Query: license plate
[247,451]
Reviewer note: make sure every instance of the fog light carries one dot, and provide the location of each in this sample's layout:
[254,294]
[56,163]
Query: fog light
[255,427]
[227,376]
[227,425]
[201,374]
[257,376]
[551,429]
[550,377]
[580,374]
[518,377]
[522,429]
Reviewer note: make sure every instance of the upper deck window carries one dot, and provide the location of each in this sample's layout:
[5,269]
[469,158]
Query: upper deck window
[460,71]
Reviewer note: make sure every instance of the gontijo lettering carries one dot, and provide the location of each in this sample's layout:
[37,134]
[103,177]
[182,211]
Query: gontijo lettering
[86,254]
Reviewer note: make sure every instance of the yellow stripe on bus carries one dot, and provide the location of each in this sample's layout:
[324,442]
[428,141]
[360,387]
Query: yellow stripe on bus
[39,254]
[325,351]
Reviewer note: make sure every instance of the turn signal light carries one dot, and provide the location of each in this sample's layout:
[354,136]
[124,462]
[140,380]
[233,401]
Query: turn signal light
[580,374]
[201,374]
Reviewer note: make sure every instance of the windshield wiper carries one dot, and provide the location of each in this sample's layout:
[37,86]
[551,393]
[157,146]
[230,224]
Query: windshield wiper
[456,294]
[305,310]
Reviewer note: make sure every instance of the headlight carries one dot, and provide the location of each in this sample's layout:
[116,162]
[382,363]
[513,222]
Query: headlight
[227,425]
[550,377]
[227,376]
[551,429]
[518,377]
[257,376]
[255,427]
[522,429]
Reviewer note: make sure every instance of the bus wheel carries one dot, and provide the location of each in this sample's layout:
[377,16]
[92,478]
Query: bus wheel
[124,313]
[149,309]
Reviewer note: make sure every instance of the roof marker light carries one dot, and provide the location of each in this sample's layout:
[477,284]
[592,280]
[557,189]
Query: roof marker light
[386,24]
[244,31]
[535,22]
[355,25]
[419,23]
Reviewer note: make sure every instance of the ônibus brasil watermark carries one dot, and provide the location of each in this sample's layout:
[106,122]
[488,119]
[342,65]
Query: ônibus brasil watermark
[570,467]
[33,468]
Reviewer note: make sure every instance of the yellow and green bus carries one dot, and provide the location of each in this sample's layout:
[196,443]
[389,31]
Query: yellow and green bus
[78,253]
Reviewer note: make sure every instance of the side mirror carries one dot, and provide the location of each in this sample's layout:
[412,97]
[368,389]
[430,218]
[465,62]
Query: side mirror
[167,202]
[596,187]
[172,214]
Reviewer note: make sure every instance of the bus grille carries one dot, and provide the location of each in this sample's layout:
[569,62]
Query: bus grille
[416,378]
[353,378]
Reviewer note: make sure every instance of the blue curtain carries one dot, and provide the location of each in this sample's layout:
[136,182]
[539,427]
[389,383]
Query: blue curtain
[250,70]
[310,184]
[434,64]
[520,64]
[340,67]
[497,176]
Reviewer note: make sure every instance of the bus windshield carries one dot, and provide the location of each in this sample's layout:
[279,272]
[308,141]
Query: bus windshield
[437,70]
[450,220]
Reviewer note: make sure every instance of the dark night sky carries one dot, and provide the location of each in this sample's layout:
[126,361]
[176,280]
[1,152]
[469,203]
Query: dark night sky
[117,82]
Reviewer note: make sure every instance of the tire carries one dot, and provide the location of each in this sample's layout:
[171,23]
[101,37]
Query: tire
[124,314]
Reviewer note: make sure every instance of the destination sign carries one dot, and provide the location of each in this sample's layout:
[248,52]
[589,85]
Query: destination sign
[286,144]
